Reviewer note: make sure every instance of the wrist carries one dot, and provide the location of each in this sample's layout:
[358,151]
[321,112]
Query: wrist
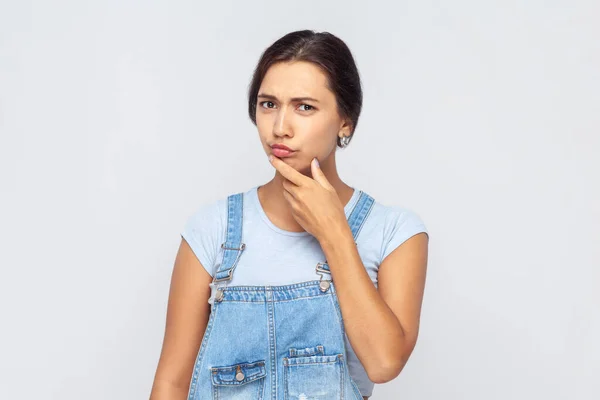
[336,235]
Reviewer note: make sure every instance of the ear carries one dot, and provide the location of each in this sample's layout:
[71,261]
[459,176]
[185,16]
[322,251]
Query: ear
[345,129]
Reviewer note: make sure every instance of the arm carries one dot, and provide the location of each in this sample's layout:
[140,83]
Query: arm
[382,323]
[187,315]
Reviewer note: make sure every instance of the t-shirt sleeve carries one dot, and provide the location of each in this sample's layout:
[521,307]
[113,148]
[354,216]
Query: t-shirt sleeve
[401,225]
[203,231]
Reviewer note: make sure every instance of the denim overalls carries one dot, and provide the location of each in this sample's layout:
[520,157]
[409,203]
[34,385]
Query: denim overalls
[273,342]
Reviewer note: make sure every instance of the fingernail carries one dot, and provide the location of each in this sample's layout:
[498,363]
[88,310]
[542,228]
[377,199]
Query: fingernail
[270,157]
[317,162]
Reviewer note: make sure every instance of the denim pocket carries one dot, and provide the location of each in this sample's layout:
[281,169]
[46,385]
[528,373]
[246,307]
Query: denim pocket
[317,376]
[306,351]
[241,381]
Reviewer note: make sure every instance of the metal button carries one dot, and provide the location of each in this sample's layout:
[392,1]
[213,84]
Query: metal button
[219,295]
[324,285]
[240,375]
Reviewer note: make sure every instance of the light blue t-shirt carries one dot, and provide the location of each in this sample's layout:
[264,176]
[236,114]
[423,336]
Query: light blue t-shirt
[274,256]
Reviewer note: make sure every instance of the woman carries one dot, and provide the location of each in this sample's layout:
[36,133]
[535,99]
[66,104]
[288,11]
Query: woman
[304,287]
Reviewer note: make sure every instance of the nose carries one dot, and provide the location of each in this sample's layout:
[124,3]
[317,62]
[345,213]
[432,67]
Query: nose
[281,125]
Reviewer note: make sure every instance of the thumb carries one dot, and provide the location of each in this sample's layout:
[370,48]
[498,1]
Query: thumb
[318,175]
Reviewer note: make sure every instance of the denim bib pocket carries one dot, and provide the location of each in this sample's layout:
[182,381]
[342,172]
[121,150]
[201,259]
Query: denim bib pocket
[309,373]
[243,381]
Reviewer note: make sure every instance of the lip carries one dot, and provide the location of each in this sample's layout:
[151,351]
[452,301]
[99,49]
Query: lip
[281,151]
[281,146]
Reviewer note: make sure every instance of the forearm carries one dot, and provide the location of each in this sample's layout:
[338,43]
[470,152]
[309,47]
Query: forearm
[163,390]
[374,331]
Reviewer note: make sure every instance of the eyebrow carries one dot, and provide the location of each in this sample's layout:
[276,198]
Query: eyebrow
[271,97]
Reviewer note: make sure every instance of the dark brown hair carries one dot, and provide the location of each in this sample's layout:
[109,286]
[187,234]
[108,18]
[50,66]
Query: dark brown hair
[326,51]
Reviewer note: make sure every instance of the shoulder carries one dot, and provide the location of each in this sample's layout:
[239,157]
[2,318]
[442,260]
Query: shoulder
[395,216]
[396,224]
[205,230]
[400,217]
[211,215]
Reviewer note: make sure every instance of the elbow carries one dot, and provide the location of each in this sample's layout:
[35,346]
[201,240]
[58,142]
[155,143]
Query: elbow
[389,367]
[384,372]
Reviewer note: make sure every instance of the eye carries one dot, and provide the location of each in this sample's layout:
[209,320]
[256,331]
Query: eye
[306,105]
[270,102]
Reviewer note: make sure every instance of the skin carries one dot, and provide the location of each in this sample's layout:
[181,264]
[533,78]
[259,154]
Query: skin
[303,196]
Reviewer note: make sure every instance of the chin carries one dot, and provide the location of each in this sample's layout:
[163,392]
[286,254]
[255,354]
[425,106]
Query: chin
[301,166]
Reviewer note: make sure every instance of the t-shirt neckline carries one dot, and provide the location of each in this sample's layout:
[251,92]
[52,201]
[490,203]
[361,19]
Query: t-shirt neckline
[254,194]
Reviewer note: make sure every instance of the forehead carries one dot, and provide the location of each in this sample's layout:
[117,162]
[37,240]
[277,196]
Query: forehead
[293,79]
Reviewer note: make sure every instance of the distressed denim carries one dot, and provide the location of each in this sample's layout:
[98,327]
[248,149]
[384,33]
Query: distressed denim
[273,342]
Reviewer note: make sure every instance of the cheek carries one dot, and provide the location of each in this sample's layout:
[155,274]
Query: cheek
[321,133]
[264,126]
[319,124]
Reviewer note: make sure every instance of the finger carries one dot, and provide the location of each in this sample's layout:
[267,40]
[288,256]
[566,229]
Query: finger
[318,175]
[289,187]
[288,172]
[290,199]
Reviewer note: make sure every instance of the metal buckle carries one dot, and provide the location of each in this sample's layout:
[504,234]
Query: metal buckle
[242,247]
[219,295]
[324,284]
[319,269]
[227,278]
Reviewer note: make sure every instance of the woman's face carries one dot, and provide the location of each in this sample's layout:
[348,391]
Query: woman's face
[295,108]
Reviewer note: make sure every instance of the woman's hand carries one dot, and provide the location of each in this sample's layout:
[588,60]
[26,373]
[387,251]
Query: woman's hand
[314,202]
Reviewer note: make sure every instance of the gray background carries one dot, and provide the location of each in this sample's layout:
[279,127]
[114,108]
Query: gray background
[119,118]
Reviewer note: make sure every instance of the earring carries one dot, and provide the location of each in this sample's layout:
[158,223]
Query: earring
[344,141]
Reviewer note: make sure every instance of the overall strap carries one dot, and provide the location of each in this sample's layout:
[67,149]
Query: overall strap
[356,220]
[233,246]
[359,213]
